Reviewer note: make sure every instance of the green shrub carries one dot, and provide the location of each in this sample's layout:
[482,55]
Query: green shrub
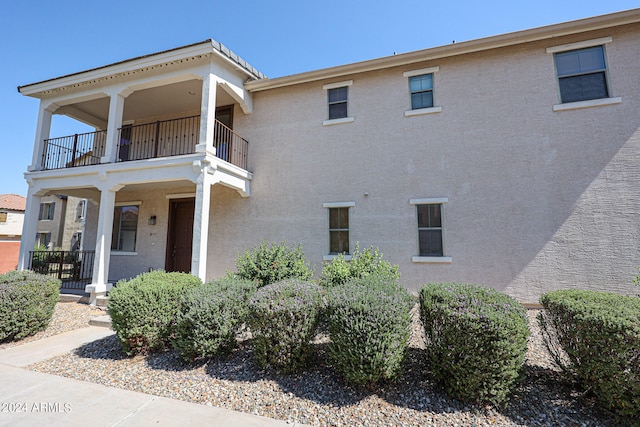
[27,302]
[476,340]
[369,325]
[595,337]
[210,317]
[144,309]
[283,320]
[269,263]
[362,264]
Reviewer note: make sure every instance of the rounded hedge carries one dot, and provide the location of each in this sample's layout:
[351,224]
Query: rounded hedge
[283,319]
[27,302]
[144,309]
[476,340]
[369,324]
[270,263]
[595,336]
[210,316]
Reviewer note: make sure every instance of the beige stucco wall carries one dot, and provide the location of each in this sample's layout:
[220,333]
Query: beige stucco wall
[538,200]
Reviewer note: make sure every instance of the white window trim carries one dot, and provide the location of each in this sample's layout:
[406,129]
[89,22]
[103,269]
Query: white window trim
[339,205]
[123,253]
[587,104]
[579,45]
[432,259]
[422,111]
[337,85]
[337,121]
[429,201]
[421,71]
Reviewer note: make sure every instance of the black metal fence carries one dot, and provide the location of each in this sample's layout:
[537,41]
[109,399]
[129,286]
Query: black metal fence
[73,268]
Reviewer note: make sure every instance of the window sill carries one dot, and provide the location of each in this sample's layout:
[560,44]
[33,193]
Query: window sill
[422,111]
[587,104]
[432,259]
[123,253]
[332,257]
[338,121]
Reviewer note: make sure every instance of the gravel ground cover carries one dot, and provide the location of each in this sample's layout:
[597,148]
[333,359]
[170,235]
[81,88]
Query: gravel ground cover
[67,316]
[319,396]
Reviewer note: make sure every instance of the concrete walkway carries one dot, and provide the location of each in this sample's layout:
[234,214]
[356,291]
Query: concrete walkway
[29,398]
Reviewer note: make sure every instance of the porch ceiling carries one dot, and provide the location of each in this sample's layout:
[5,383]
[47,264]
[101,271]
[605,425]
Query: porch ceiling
[158,102]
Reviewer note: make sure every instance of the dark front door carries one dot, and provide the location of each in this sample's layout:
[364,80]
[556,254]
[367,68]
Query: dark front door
[180,235]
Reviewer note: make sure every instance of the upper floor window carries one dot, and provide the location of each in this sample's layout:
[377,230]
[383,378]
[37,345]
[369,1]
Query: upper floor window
[338,102]
[421,89]
[3,216]
[46,211]
[582,74]
[125,228]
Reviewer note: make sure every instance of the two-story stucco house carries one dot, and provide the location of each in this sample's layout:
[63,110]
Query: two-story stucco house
[511,161]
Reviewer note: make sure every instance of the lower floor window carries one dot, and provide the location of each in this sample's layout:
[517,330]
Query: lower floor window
[430,230]
[43,239]
[125,228]
[339,230]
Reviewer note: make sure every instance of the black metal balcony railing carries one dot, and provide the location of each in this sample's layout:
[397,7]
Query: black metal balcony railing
[230,146]
[73,268]
[147,141]
[159,139]
[74,150]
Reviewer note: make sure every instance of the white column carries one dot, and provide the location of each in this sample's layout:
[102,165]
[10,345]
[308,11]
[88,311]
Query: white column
[116,110]
[43,128]
[201,223]
[100,281]
[29,228]
[207,114]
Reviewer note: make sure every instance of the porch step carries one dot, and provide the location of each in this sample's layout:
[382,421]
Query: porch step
[102,302]
[104,321]
[84,299]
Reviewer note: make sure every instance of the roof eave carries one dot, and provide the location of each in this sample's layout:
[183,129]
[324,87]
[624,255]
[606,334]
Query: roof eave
[206,47]
[477,45]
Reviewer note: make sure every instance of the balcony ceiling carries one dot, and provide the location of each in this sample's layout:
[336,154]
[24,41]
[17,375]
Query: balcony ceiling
[159,102]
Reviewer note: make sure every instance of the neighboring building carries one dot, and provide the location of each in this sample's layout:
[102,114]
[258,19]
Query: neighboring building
[61,222]
[511,161]
[11,219]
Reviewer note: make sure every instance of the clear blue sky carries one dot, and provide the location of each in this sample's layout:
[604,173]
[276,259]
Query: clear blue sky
[46,39]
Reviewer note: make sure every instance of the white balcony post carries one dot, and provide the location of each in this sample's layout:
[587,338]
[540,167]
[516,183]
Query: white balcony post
[116,110]
[100,281]
[43,128]
[29,228]
[201,221]
[207,114]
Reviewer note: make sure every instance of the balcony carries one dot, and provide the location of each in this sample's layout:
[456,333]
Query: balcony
[159,139]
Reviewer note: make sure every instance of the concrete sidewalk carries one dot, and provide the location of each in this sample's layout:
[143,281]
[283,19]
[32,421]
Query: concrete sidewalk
[29,398]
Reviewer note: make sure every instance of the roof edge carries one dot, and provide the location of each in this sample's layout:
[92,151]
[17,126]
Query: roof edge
[190,49]
[461,48]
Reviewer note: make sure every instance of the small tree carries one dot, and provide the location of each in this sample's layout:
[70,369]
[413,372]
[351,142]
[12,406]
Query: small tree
[269,263]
